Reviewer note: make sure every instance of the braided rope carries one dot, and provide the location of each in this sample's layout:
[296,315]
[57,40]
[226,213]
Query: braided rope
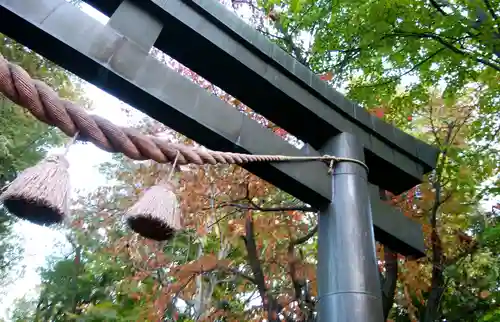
[45,105]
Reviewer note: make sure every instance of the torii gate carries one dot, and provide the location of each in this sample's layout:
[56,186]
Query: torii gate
[208,38]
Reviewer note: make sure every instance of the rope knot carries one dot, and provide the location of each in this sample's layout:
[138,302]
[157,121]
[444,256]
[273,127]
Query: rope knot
[332,161]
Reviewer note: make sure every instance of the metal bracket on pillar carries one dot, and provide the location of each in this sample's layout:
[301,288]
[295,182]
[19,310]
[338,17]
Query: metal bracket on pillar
[347,274]
[136,24]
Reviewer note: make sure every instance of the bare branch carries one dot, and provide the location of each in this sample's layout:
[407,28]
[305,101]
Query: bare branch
[297,284]
[304,238]
[222,218]
[240,274]
[433,126]
[270,35]
[253,257]
[254,206]
[176,296]
[268,301]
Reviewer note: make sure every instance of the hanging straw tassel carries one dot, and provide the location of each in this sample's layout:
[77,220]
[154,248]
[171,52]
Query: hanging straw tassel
[157,214]
[40,194]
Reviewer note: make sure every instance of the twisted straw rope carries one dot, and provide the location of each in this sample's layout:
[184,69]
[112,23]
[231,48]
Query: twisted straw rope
[45,104]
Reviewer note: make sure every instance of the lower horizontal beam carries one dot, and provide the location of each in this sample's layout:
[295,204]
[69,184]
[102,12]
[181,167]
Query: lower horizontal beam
[392,228]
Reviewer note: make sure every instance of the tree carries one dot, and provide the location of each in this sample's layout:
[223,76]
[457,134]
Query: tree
[448,204]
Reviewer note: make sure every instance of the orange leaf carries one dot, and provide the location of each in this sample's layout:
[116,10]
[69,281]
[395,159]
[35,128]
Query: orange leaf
[379,112]
[484,294]
[327,76]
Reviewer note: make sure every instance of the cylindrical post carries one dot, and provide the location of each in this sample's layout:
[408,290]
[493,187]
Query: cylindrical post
[347,274]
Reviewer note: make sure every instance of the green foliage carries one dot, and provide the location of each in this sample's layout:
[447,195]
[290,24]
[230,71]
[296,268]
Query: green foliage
[491,316]
[88,291]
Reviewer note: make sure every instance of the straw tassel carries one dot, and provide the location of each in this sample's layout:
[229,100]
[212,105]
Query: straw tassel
[40,194]
[157,214]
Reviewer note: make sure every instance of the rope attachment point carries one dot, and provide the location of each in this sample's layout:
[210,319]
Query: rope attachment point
[333,160]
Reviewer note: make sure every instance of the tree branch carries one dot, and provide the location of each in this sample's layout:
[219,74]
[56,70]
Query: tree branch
[270,35]
[417,65]
[448,45]
[473,247]
[304,238]
[254,206]
[176,296]
[433,126]
[240,274]
[436,5]
[302,15]
[487,3]
[254,262]
[222,218]
[437,279]
[292,48]
[297,284]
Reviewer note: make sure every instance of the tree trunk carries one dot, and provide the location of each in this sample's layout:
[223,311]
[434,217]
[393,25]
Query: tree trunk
[74,282]
[390,281]
[437,283]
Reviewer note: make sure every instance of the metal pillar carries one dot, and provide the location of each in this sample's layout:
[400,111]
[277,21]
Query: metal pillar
[347,274]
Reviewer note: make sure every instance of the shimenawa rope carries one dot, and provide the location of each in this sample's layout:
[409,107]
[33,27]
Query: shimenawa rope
[44,103]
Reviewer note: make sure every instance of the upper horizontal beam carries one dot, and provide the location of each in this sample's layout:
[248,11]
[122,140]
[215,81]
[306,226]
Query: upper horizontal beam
[100,55]
[97,53]
[275,85]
